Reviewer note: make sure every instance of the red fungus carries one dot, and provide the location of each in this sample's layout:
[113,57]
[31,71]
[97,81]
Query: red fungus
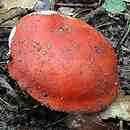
[63,62]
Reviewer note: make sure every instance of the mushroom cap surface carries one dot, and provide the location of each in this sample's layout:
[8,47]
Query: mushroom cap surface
[63,63]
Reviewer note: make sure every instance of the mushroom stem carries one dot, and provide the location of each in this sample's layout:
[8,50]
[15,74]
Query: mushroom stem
[85,121]
[119,108]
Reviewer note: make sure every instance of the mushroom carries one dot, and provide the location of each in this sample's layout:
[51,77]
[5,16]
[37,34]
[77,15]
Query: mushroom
[63,63]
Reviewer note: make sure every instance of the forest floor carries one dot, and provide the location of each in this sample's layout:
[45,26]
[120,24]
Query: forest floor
[19,111]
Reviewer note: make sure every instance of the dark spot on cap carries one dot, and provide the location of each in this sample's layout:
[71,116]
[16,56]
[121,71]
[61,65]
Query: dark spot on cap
[61,29]
[98,49]
[45,94]
[62,98]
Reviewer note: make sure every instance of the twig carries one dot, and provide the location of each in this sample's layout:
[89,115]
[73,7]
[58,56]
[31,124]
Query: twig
[3,62]
[97,11]
[100,2]
[7,104]
[121,125]
[76,5]
[57,121]
[104,24]
[124,37]
[120,43]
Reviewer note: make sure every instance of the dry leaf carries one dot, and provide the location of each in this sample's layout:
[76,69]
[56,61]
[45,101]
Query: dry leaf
[8,4]
[126,0]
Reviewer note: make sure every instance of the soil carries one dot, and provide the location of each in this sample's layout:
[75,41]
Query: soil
[19,111]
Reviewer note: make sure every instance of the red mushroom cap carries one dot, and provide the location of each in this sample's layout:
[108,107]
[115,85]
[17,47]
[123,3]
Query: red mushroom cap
[63,62]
